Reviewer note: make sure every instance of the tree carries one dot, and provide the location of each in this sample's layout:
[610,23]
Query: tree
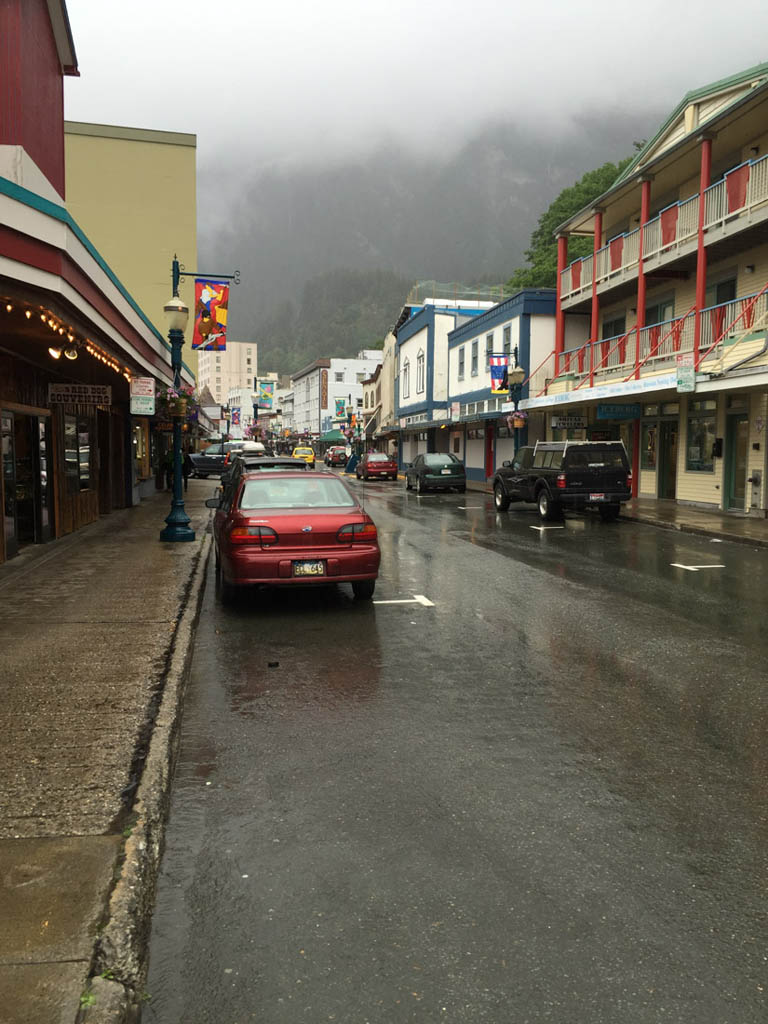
[542,254]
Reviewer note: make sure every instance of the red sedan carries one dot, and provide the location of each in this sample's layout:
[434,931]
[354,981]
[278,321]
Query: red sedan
[376,465]
[288,527]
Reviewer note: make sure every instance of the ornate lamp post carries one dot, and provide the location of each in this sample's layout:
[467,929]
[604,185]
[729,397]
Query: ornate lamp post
[177,314]
[516,375]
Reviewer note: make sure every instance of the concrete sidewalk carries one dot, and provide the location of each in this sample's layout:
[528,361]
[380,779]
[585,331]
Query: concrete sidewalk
[95,641]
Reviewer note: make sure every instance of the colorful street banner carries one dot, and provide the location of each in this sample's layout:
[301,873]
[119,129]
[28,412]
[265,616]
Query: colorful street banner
[211,302]
[341,409]
[234,415]
[499,375]
[266,393]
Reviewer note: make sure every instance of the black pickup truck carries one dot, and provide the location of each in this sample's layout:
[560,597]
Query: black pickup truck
[210,462]
[559,475]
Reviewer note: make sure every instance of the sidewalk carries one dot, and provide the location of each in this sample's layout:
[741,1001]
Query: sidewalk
[95,638]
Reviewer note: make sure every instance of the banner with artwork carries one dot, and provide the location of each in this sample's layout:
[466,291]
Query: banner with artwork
[341,409]
[211,303]
[266,393]
[499,375]
[234,416]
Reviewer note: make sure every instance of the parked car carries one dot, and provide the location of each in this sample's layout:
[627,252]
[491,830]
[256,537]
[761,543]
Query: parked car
[306,453]
[336,456]
[559,475]
[435,471]
[376,465]
[245,462]
[285,527]
[210,461]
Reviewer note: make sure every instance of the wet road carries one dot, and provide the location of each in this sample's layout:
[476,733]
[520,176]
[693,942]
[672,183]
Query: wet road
[541,799]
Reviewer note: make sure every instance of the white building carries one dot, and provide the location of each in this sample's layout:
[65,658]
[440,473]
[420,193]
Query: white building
[325,390]
[222,372]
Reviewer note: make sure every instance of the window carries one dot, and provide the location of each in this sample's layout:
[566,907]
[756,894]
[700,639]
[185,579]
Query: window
[461,363]
[420,373]
[365,400]
[406,379]
[247,362]
[360,377]
[474,358]
[457,444]
[247,351]
[488,350]
[218,380]
[218,359]
[306,388]
[615,327]
[507,341]
[339,376]
[648,449]
[700,436]
[359,403]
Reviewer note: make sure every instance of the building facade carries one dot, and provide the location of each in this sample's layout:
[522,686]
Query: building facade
[674,299]
[224,371]
[327,391]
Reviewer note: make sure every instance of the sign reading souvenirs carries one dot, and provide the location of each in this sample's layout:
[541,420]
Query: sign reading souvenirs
[686,372]
[568,422]
[84,394]
[142,396]
[499,375]
[211,302]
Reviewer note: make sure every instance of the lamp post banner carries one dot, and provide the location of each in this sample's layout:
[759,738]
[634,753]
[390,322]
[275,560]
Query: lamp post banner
[499,375]
[266,392]
[235,415]
[211,304]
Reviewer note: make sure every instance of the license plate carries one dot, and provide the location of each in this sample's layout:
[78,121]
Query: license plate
[445,472]
[308,569]
[597,497]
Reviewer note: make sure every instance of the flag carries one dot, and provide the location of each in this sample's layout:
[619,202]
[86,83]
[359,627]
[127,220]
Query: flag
[211,302]
[266,393]
[234,417]
[499,375]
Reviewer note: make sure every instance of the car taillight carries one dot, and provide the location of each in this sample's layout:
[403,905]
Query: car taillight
[357,533]
[227,457]
[561,480]
[263,535]
[629,480]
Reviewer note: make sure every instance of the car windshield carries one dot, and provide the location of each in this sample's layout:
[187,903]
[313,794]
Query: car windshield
[378,457]
[296,492]
[437,459]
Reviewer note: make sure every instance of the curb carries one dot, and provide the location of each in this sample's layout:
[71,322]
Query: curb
[120,963]
[698,531]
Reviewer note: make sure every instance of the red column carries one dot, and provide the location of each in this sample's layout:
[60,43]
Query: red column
[645,205]
[701,255]
[594,325]
[562,259]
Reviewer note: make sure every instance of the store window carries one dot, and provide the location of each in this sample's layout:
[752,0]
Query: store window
[700,436]
[648,450]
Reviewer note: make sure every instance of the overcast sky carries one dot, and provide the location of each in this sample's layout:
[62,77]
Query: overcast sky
[304,79]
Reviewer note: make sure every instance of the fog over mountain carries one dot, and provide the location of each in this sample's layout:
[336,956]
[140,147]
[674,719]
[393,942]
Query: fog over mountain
[465,214]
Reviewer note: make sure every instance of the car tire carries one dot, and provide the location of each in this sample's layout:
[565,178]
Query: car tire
[548,509]
[357,473]
[500,499]
[462,490]
[407,483]
[202,476]
[363,589]
[609,513]
[420,488]
[227,590]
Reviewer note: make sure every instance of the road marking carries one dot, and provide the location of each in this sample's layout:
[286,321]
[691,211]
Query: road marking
[542,528]
[695,568]
[416,599]
[470,506]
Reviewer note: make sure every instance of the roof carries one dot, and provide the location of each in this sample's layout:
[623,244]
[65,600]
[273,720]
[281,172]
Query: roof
[62,35]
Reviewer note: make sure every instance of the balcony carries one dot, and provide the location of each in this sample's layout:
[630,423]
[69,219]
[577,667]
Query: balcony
[730,206]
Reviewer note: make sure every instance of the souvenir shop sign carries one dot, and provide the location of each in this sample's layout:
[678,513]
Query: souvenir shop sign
[84,394]
[569,422]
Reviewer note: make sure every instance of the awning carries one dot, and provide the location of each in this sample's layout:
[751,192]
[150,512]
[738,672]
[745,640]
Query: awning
[333,435]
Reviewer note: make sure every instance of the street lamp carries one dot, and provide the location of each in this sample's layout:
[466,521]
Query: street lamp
[176,316]
[516,375]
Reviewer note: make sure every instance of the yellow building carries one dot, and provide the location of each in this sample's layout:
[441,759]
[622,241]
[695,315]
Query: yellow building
[134,193]
[674,299]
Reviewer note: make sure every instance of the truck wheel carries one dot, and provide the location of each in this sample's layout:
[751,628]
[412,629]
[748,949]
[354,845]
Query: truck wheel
[547,507]
[500,500]
[609,513]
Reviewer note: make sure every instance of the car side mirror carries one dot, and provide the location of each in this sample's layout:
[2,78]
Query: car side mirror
[212,503]
[407,465]
[506,464]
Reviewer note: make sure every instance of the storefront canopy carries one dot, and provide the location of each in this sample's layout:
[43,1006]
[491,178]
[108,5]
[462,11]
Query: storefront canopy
[333,435]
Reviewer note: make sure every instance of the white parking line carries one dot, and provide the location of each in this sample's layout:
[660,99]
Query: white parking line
[416,599]
[695,568]
[542,528]
[470,506]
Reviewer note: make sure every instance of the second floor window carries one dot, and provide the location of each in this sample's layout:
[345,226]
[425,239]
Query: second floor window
[406,379]
[507,341]
[420,373]
[474,358]
[339,377]
[488,350]
[461,363]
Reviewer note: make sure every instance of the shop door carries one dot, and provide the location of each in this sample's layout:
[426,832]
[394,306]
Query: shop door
[9,485]
[489,467]
[668,459]
[736,447]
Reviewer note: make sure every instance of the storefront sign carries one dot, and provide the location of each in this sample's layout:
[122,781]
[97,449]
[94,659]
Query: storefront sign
[619,412]
[568,422]
[630,387]
[85,394]
[323,389]
[455,410]
[686,372]
[142,396]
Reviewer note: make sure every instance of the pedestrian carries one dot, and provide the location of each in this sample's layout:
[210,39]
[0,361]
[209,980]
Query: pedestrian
[186,468]
[168,468]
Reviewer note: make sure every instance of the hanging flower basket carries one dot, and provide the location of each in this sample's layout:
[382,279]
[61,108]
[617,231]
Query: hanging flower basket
[517,420]
[177,404]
